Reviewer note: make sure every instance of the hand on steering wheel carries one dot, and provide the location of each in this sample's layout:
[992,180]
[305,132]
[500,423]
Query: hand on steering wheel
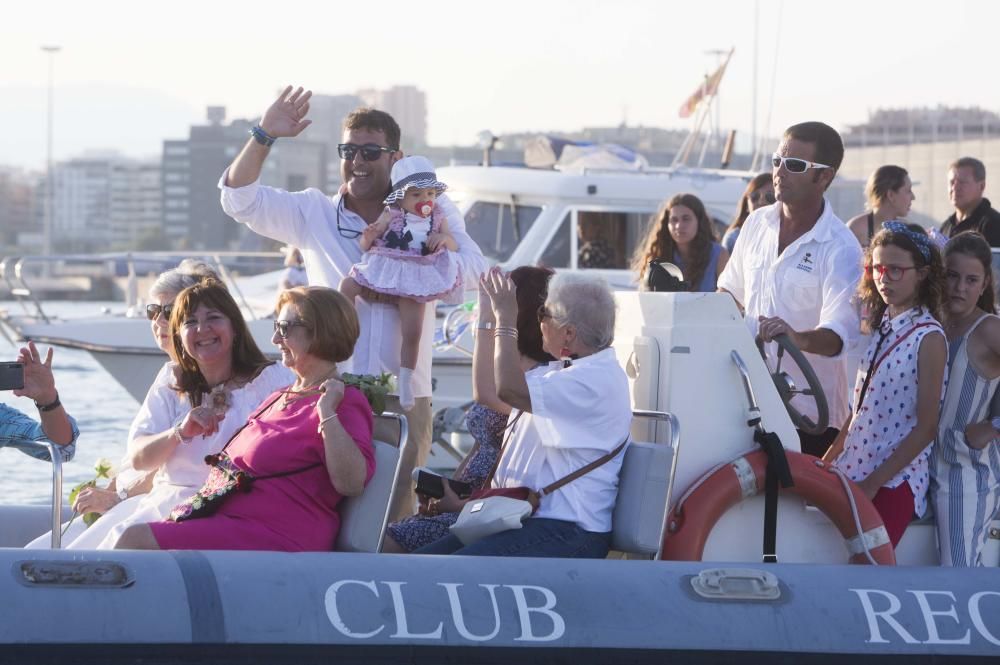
[786,388]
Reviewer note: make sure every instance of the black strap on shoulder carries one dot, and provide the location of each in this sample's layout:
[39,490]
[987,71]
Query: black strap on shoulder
[777,472]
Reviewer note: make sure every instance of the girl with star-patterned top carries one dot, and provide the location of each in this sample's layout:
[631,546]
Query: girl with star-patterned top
[885,445]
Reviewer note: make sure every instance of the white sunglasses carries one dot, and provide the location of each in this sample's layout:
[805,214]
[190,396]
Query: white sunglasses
[794,164]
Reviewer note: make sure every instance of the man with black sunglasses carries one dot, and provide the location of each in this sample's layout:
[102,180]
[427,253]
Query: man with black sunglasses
[796,267]
[327,231]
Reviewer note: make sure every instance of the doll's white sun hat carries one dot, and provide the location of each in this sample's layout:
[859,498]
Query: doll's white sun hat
[410,172]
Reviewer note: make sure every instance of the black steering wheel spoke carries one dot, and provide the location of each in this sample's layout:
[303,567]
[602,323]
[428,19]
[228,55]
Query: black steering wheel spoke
[813,388]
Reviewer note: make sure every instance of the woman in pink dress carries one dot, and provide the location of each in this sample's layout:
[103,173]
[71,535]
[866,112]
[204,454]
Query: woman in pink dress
[305,447]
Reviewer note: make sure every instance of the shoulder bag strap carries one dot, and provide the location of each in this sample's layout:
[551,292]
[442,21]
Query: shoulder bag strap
[876,363]
[600,461]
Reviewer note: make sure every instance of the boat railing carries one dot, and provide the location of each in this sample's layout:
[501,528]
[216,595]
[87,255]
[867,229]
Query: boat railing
[57,482]
[14,272]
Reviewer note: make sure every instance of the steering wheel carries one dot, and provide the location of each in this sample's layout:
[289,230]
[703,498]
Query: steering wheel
[787,389]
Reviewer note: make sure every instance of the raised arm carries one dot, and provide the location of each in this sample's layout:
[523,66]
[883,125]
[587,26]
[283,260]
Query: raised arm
[512,387]
[40,385]
[345,463]
[285,118]
[484,385]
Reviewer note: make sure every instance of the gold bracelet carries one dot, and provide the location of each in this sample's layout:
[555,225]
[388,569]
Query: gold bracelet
[319,428]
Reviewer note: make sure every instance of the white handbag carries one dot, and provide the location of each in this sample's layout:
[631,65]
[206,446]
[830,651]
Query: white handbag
[484,517]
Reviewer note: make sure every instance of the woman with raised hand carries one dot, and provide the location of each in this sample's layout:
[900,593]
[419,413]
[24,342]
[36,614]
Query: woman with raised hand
[965,461]
[565,415]
[295,456]
[487,418]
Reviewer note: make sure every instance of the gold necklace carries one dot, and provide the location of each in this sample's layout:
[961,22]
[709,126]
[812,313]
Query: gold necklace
[308,391]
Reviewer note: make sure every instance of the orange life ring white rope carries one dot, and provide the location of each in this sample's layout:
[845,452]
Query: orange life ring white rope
[820,484]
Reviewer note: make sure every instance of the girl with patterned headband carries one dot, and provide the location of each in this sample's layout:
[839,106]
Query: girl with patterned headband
[885,445]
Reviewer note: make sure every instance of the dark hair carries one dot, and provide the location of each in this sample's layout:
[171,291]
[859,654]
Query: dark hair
[883,180]
[330,318]
[930,294]
[978,168]
[743,210]
[376,121]
[248,360]
[660,245]
[973,244]
[532,287]
[829,146]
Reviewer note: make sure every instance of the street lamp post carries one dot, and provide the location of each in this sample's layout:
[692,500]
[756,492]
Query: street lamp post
[50,193]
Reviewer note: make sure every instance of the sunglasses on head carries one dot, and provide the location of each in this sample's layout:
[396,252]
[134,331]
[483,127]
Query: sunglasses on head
[762,194]
[153,310]
[794,164]
[369,151]
[283,327]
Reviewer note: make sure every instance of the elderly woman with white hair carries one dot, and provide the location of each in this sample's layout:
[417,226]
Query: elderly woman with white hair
[567,414]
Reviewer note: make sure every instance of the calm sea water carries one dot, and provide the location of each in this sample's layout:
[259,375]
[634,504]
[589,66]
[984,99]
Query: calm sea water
[102,408]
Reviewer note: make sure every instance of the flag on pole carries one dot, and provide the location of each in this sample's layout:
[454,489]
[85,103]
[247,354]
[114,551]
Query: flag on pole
[707,88]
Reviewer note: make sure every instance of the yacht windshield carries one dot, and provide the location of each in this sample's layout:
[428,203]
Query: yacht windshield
[499,227]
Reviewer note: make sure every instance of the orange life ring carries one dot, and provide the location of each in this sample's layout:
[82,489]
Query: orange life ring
[693,519]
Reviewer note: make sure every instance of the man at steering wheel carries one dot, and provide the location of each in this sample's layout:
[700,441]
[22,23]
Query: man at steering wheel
[796,267]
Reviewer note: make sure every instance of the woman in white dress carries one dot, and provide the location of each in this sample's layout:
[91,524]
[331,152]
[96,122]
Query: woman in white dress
[195,405]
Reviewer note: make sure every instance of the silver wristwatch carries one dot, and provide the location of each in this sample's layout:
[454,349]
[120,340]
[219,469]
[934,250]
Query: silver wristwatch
[122,493]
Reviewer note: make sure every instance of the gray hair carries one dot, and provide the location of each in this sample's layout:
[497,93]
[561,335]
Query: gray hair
[586,303]
[187,273]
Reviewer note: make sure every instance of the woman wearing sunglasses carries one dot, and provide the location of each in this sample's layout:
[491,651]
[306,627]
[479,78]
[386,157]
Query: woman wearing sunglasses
[300,452]
[890,194]
[759,193]
[215,377]
[681,233]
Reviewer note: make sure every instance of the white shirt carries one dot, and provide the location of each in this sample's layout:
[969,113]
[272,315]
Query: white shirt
[579,414]
[308,220]
[810,285]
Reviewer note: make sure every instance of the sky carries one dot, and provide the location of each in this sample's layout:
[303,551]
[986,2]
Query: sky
[130,74]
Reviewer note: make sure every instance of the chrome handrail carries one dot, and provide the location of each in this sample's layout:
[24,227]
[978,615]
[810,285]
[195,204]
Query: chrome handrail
[55,454]
[404,436]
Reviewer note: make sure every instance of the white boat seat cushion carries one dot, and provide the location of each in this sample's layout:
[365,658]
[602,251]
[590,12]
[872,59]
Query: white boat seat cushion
[363,518]
[643,493]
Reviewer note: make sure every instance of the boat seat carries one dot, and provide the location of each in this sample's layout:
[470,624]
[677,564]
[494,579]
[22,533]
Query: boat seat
[363,518]
[645,487]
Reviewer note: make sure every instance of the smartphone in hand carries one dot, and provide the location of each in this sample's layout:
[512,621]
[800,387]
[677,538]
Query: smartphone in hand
[432,485]
[11,376]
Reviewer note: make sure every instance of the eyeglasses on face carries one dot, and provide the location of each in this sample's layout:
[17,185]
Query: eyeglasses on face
[765,195]
[283,327]
[153,310]
[543,313]
[794,164]
[892,273]
[369,151]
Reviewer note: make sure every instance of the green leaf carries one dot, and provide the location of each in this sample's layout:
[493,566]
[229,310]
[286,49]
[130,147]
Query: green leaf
[375,388]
